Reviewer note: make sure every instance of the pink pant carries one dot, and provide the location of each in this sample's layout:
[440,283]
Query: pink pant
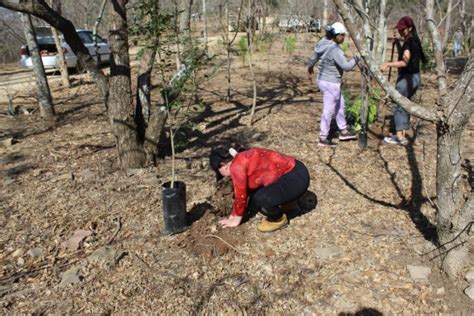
[333,105]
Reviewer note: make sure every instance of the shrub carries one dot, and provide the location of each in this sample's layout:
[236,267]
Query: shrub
[290,43]
[430,60]
[353,106]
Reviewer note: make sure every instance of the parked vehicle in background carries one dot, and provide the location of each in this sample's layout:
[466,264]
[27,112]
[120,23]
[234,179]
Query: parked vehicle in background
[314,25]
[296,23]
[48,50]
[293,23]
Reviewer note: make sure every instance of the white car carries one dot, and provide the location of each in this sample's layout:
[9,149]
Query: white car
[49,52]
[293,23]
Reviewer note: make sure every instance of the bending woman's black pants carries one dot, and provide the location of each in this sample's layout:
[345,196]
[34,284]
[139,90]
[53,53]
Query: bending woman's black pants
[289,187]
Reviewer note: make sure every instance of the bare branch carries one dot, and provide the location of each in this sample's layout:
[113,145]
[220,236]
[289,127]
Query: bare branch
[448,14]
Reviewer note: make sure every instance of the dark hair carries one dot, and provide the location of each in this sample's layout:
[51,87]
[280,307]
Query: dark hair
[328,30]
[418,41]
[216,158]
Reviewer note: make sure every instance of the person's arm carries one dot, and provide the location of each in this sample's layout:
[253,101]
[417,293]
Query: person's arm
[398,64]
[239,179]
[341,61]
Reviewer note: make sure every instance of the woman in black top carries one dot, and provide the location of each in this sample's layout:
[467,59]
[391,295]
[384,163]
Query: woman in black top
[409,56]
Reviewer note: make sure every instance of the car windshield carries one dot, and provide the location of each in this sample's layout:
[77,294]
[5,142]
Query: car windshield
[46,40]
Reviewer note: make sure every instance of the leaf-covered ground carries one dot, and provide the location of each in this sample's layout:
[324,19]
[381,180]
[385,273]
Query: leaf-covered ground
[349,253]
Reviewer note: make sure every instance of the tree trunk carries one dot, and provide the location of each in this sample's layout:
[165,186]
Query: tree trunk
[62,61]
[121,111]
[154,131]
[94,30]
[455,202]
[142,112]
[252,72]
[185,20]
[381,39]
[204,15]
[447,24]
[56,5]
[325,13]
[43,92]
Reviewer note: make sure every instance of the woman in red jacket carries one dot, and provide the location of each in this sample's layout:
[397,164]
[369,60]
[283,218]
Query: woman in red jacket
[276,178]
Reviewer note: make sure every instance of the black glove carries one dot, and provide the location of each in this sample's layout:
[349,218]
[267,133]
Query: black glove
[357,59]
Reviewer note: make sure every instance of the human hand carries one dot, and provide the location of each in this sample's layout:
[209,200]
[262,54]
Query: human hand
[357,58]
[231,221]
[383,67]
[310,74]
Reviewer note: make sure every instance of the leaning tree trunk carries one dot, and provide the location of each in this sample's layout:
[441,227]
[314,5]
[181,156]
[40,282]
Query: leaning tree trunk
[43,92]
[121,108]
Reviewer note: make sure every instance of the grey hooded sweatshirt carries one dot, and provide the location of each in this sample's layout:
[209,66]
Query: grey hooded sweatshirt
[333,63]
[319,50]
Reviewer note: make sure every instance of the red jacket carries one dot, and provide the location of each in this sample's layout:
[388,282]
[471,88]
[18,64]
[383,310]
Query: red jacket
[253,169]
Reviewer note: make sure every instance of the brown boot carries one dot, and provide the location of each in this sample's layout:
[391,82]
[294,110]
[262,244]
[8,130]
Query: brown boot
[267,226]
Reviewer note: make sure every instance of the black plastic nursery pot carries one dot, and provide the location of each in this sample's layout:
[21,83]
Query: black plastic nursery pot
[174,208]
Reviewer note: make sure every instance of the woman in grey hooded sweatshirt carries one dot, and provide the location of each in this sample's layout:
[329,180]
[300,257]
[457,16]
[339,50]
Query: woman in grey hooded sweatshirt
[331,67]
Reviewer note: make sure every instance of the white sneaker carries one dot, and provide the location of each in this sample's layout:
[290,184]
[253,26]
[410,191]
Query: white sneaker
[394,140]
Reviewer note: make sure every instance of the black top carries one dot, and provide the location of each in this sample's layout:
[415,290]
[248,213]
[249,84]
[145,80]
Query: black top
[414,47]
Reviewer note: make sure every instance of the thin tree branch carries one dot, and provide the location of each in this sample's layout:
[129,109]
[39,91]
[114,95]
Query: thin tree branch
[448,14]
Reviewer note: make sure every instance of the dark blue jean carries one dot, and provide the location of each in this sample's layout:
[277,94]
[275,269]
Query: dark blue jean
[289,187]
[407,84]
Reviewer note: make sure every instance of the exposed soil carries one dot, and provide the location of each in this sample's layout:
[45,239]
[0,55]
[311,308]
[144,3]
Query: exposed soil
[373,207]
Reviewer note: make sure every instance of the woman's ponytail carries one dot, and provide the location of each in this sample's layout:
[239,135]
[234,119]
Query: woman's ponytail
[418,41]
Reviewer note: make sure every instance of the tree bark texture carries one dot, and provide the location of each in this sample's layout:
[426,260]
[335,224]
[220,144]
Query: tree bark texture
[185,7]
[154,131]
[447,24]
[41,10]
[94,30]
[325,13]
[455,204]
[43,92]
[121,107]
[437,50]
[204,15]
[61,60]
[381,38]
[144,81]
[56,5]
